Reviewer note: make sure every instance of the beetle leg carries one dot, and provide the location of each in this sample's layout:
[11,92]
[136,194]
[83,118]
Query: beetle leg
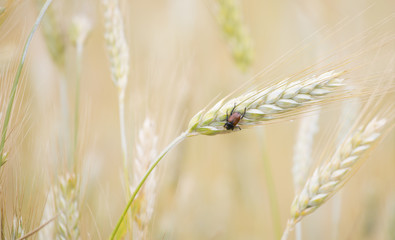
[233,109]
[227,116]
[238,127]
[245,110]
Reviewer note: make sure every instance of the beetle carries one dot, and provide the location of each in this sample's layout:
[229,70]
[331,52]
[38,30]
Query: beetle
[233,119]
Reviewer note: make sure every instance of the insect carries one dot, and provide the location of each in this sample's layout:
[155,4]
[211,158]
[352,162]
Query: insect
[233,119]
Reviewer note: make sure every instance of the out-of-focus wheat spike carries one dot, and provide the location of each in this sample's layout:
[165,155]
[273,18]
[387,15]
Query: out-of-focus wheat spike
[53,35]
[118,53]
[67,207]
[48,232]
[267,103]
[117,47]
[145,155]
[17,228]
[302,158]
[330,177]
[79,30]
[5,10]
[239,40]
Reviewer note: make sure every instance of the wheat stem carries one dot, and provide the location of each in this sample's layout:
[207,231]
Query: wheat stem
[121,102]
[285,234]
[77,102]
[36,230]
[176,141]
[17,77]
[274,208]
[78,32]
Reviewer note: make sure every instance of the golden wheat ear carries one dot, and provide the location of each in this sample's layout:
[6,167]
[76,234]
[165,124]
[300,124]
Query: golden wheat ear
[146,151]
[268,103]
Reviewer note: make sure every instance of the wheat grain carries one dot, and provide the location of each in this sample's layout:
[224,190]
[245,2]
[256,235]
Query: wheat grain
[145,155]
[329,178]
[266,104]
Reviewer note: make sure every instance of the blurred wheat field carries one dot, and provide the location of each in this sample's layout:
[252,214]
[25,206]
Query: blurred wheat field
[182,56]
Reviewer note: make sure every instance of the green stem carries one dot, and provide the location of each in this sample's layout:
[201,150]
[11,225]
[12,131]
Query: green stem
[17,77]
[77,103]
[272,196]
[163,153]
[286,232]
[121,103]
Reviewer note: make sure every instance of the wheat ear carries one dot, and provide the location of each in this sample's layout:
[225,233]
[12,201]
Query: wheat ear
[239,41]
[17,230]
[330,177]
[266,104]
[54,37]
[302,158]
[67,206]
[145,155]
[118,52]
[117,47]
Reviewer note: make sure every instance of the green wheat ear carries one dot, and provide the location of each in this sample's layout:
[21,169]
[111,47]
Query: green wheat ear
[55,38]
[239,40]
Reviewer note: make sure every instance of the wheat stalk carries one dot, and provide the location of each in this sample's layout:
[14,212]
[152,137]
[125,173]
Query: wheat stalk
[145,155]
[330,177]
[266,104]
[118,53]
[79,31]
